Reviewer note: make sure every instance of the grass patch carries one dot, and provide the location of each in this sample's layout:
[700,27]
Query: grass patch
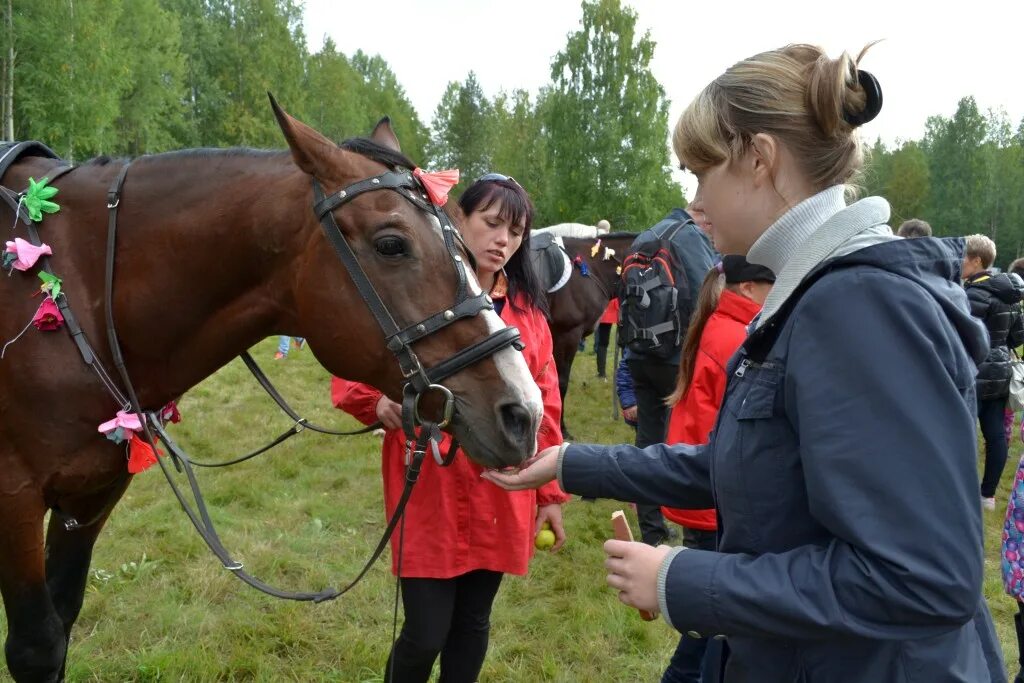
[307,515]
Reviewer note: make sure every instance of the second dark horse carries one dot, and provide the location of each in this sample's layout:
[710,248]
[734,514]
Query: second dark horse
[577,306]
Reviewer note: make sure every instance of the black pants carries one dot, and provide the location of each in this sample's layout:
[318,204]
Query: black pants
[450,617]
[652,382]
[990,417]
[602,335]
[688,665]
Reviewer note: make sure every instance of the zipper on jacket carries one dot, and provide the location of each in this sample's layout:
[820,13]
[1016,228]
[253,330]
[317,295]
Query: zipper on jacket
[742,369]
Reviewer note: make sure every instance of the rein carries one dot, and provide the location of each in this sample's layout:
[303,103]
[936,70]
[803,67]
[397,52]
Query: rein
[300,423]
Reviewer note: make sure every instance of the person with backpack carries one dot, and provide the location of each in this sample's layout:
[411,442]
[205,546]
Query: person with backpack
[661,274]
[995,299]
[843,459]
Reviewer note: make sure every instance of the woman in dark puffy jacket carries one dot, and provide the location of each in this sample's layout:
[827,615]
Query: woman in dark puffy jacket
[995,299]
[842,464]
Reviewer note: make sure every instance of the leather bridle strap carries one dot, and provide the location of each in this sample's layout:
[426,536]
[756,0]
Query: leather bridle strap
[399,341]
[300,422]
[202,522]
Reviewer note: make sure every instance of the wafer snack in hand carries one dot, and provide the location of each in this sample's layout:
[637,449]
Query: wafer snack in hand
[623,533]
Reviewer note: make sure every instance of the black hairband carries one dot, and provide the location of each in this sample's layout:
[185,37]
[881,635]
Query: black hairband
[872,103]
[737,269]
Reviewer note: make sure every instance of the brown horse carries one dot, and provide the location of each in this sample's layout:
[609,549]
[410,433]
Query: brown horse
[217,249]
[576,307]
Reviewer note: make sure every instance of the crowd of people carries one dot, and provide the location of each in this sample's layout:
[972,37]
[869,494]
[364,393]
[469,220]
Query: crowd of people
[814,435]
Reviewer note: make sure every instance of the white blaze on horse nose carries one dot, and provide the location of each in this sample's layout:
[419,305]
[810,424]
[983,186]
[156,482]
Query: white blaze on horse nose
[515,373]
[510,363]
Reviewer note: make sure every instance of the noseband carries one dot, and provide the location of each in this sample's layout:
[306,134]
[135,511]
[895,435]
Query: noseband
[419,380]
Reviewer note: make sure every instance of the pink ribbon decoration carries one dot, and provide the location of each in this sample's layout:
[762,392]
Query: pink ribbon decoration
[437,183]
[27,253]
[124,420]
[48,316]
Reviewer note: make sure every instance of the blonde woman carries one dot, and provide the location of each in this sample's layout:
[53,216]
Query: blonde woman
[842,462]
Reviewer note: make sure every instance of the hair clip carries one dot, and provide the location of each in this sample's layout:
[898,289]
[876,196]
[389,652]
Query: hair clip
[872,103]
[720,267]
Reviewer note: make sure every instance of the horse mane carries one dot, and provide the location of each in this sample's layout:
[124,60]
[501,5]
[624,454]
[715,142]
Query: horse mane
[196,153]
[363,146]
[377,152]
[101,160]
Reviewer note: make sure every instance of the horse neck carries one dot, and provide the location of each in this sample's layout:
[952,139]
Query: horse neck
[204,248]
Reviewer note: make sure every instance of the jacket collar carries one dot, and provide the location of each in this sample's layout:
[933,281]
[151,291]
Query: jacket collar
[500,288]
[738,307]
[980,276]
[824,239]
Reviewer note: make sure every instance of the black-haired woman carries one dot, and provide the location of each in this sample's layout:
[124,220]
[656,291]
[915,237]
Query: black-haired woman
[463,533]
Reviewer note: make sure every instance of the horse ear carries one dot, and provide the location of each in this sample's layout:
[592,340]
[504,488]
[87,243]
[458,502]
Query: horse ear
[311,151]
[385,135]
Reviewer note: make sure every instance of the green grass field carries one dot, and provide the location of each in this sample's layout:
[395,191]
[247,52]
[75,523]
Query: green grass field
[307,515]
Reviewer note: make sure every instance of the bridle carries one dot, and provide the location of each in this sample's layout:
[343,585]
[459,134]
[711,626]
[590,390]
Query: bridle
[419,381]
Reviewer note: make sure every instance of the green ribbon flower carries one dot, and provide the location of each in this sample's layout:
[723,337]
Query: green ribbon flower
[51,284]
[37,199]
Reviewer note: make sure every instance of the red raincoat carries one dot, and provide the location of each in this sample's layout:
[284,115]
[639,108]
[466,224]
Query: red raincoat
[693,418]
[611,314]
[456,522]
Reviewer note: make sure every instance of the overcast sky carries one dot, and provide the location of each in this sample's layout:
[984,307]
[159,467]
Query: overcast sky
[930,57]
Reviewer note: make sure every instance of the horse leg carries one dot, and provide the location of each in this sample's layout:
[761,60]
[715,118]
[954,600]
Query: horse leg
[69,554]
[565,349]
[35,645]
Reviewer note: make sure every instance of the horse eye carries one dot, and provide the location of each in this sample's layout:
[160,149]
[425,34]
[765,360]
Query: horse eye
[390,246]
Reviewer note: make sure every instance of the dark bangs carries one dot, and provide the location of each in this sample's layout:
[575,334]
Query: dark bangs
[516,206]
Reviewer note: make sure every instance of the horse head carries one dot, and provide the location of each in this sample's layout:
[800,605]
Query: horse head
[419,272]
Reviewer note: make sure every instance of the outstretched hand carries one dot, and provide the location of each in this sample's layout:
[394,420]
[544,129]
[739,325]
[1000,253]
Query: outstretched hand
[539,470]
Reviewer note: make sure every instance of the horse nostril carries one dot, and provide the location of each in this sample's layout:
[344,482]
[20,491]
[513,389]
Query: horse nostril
[517,421]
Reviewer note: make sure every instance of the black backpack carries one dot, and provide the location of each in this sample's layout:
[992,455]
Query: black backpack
[654,296]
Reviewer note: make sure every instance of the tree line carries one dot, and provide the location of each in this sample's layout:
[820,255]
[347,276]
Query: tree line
[964,176]
[132,77]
